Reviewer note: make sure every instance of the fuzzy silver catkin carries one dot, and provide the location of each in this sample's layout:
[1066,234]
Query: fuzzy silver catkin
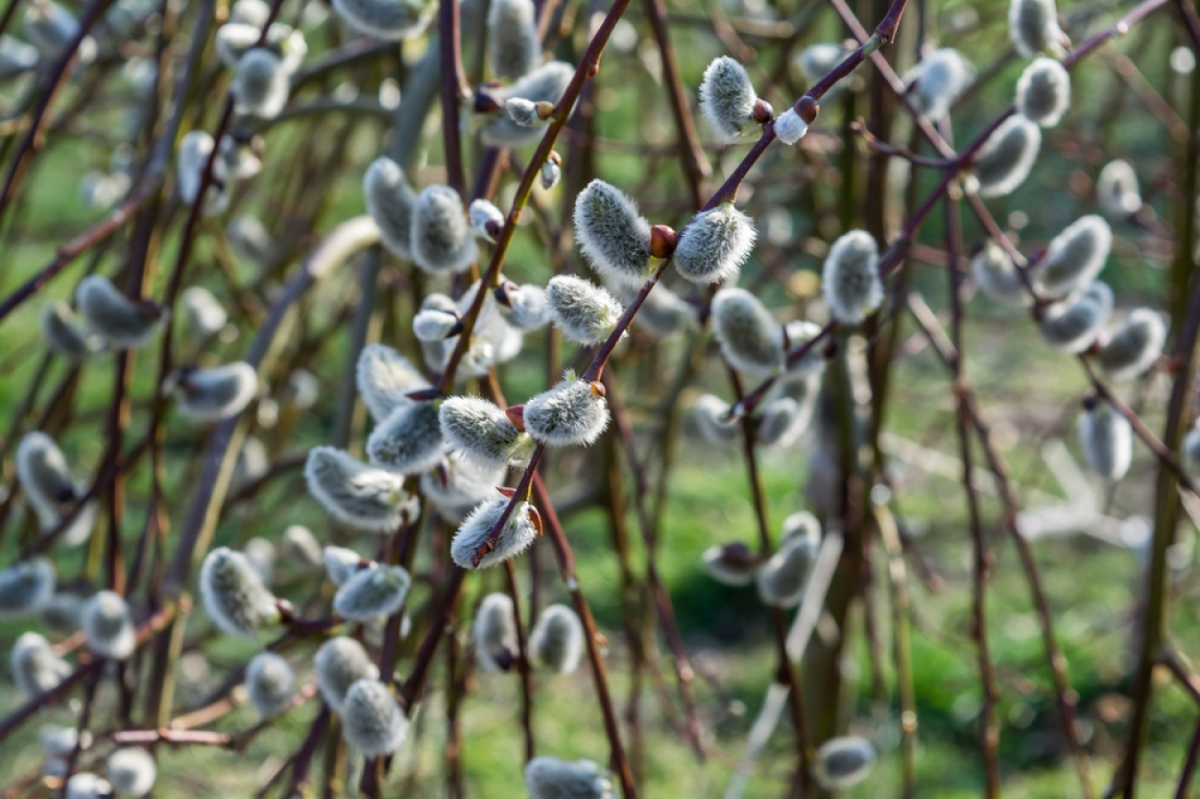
[131,771]
[86,785]
[727,98]
[252,462]
[494,341]
[546,84]
[790,127]
[518,534]
[261,84]
[750,338]
[300,544]
[341,564]
[385,378]
[573,412]
[63,334]
[16,56]
[527,310]
[390,202]
[301,390]
[1033,28]
[937,82]
[584,312]
[1044,92]
[26,586]
[362,496]
[482,432]
[996,275]
[202,312]
[434,324]
[441,238]
[409,441]
[1005,159]
[712,419]
[459,485]
[339,663]
[112,316]
[732,564]
[783,578]
[195,148]
[58,741]
[1107,440]
[484,216]
[714,245]
[250,12]
[556,642]
[269,682]
[1075,256]
[798,333]
[206,395]
[1117,189]
[612,235]
[371,720]
[850,280]
[551,174]
[551,778]
[513,47]
[1135,346]
[393,20]
[379,590]
[1072,325]
[44,476]
[61,613]
[783,421]
[234,595]
[843,762]
[523,112]
[35,667]
[108,625]
[235,39]
[261,554]
[495,633]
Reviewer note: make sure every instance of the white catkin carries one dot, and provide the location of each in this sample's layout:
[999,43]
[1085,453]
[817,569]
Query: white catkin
[341,564]
[195,148]
[1044,92]
[584,312]
[409,441]
[26,586]
[799,332]
[362,496]
[108,626]
[495,633]
[261,554]
[339,663]
[131,771]
[711,416]
[261,84]
[818,60]
[551,175]
[1117,189]
[58,741]
[45,477]
[750,338]
[484,214]
[733,564]
[1033,28]
[36,668]
[61,613]
[556,641]
[434,324]
[234,595]
[393,20]
[843,762]
[529,310]
[269,682]
[371,719]
[376,591]
[1107,440]
[252,462]
[113,317]
[573,412]
[249,239]
[783,578]
[996,275]
[1072,325]
[63,334]
[385,378]
[301,390]
[250,12]
[458,486]
[545,84]
[86,785]
[714,245]
[518,534]
[207,395]
[727,98]
[1075,256]
[390,202]
[790,127]
[300,544]
[938,81]
[513,48]
[235,39]
[442,242]
[482,432]
[1005,159]
[1135,346]
[551,778]
[850,280]
[783,421]
[611,233]
[202,313]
